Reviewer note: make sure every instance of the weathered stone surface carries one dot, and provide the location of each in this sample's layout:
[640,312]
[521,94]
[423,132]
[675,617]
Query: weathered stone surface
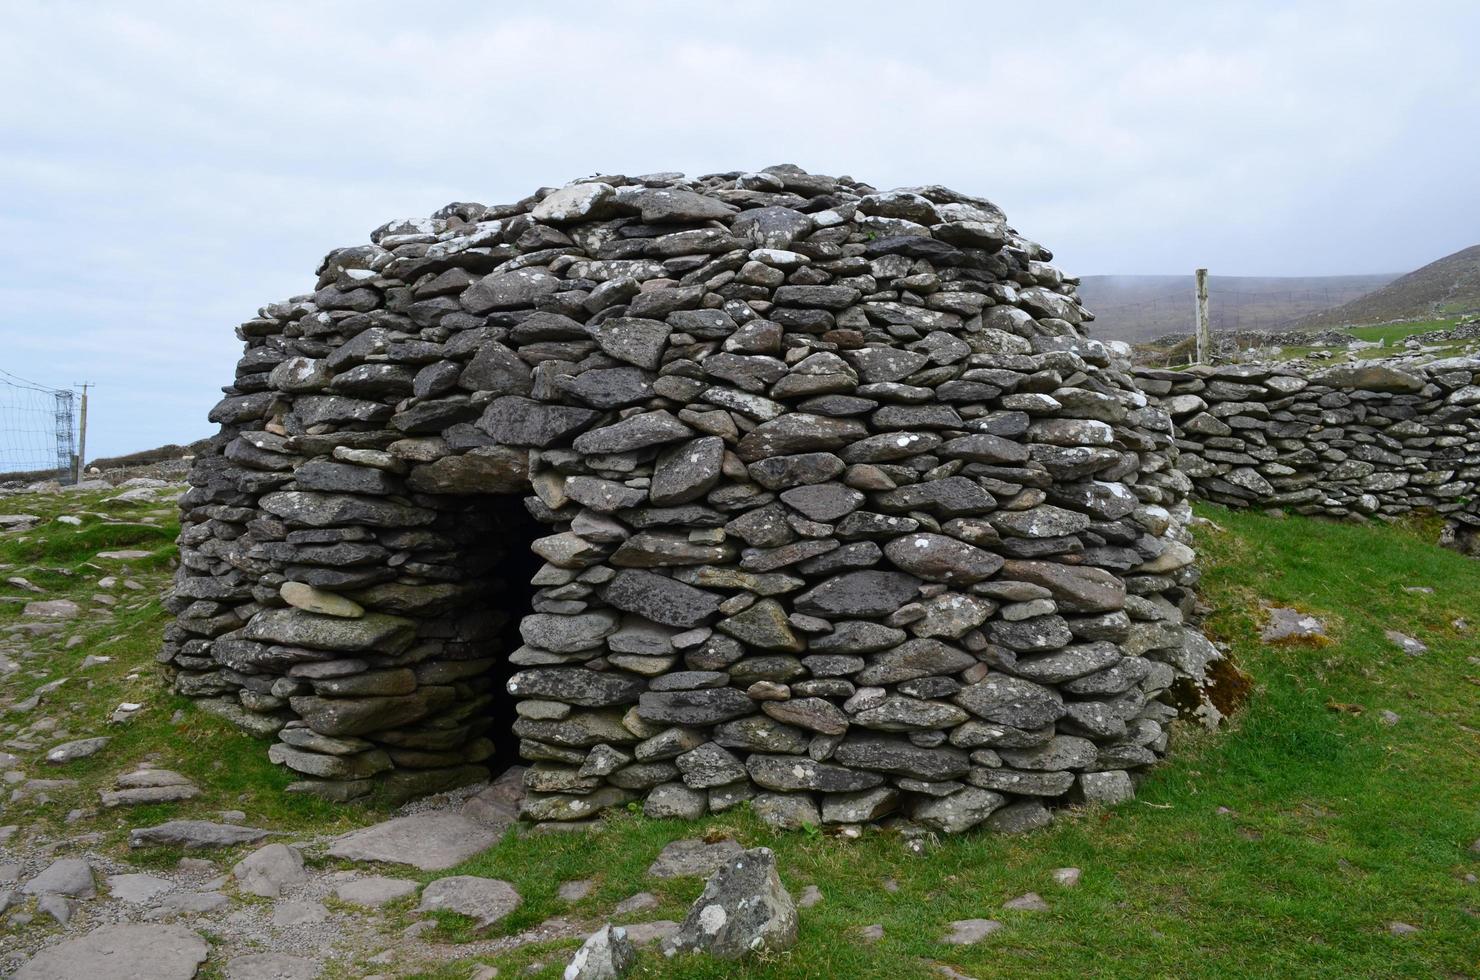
[374,891]
[574,685]
[192,834]
[72,877]
[674,801]
[1060,752]
[272,966]
[1290,624]
[813,714]
[1076,589]
[702,707]
[687,472]
[78,749]
[137,889]
[914,658]
[684,858]
[517,421]
[660,598]
[744,910]
[121,952]
[900,757]
[1012,701]
[485,900]
[868,593]
[312,600]
[1369,376]
[792,773]
[266,870]
[509,290]
[607,954]
[958,812]
[295,627]
[937,558]
[798,432]
[491,469]
[429,841]
[762,626]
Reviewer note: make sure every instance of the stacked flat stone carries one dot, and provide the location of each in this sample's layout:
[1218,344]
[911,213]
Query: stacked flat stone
[845,515]
[1362,439]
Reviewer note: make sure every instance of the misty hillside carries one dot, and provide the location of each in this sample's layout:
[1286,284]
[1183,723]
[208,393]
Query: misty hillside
[1448,286]
[1140,308]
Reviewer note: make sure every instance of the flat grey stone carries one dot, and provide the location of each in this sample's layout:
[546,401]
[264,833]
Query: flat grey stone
[72,877]
[965,932]
[287,914]
[189,903]
[146,795]
[52,609]
[266,870]
[1406,643]
[121,952]
[193,834]
[641,902]
[1290,624]
[485,899]
[138,889]
[1031,902]
[429,841]
[375,890]
[272,966]
[80,749]
[682,858]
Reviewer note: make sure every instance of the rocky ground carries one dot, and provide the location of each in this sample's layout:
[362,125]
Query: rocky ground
[140,830]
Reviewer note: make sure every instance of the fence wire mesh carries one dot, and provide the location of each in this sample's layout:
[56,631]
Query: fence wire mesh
[38,428]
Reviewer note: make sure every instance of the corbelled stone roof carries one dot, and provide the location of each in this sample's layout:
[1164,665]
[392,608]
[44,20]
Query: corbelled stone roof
[841,513]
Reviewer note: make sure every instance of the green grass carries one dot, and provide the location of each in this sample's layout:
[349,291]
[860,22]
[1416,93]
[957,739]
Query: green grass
[1279,847]
[230,768]
[1394,333]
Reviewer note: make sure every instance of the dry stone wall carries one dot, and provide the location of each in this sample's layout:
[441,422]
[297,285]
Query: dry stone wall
[833,509]
[1369,438]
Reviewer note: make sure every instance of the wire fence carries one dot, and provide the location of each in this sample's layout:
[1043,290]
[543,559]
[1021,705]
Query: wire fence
[38,429]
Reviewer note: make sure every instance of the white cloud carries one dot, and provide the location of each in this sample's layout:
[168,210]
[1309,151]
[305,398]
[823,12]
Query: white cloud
[169,167]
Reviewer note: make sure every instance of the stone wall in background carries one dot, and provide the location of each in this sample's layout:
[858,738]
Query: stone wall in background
[831,508]
[1366,439]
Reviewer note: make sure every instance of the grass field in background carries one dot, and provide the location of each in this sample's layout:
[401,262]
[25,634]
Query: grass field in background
[1394,333]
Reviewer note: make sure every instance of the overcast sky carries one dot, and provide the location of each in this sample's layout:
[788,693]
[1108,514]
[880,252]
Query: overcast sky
[167,168]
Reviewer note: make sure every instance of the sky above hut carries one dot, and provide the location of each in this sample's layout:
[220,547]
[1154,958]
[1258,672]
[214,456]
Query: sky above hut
[167,168]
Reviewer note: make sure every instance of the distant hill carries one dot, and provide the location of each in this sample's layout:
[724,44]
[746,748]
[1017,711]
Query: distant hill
[1140,308]
[1448,286]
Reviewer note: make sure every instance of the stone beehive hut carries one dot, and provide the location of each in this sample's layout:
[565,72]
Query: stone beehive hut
[758,487]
